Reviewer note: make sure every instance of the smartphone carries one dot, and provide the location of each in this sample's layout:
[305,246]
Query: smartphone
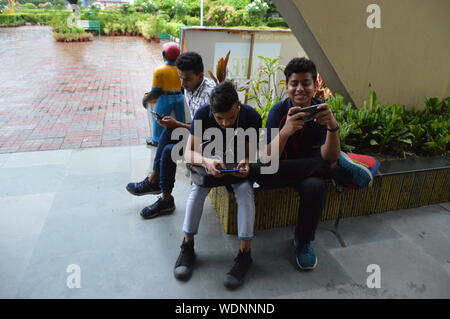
[311,110]
[156,115]
[225,171]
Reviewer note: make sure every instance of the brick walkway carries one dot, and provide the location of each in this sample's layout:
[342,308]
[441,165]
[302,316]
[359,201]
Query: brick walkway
[66,96]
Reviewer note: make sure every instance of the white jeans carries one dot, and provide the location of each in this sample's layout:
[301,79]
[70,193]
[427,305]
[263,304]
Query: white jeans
[245,199]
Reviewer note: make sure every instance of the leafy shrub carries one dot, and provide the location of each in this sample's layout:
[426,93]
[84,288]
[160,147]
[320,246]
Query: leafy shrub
[180,9]
[391,129]
[221,15]
[192,21]
[28,5]
[265,90]
[277,23]
[41,17]
[257,11]
[241,18]
[147,6]
[173,28]
[71,35]
[236,4]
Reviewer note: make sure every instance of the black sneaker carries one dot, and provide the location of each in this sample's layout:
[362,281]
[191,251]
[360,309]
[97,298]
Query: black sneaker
[185,262]
[157,208]
[143,188]
[235,276]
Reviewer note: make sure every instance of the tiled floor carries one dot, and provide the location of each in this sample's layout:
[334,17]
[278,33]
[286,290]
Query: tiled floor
[72,95]
[65,207]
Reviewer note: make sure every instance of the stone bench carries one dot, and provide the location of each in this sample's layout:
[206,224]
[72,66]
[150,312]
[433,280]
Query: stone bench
[400,184]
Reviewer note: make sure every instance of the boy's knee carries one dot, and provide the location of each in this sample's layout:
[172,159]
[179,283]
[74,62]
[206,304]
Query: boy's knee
[312,185]
[245,188]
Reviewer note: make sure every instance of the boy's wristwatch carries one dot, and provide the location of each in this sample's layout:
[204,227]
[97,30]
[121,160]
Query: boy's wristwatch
[334,129]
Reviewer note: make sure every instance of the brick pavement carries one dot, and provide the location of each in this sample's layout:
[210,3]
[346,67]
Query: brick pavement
[75,95]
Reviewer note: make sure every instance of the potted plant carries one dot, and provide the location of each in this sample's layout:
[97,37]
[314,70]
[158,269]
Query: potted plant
[157,26]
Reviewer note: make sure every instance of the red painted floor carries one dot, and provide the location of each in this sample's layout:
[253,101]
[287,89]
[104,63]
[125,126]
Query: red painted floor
[72,95]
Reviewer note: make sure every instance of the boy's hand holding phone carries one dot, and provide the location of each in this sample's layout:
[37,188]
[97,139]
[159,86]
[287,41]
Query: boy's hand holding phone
[325,116]
[294,121]
[244,166]
[213,166]
[169,122]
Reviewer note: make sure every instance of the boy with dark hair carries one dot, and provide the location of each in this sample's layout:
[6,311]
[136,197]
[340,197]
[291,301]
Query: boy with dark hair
[224,112]
[309,153]
[162,178]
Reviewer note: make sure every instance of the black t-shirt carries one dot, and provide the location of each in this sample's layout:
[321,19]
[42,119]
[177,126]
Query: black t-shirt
[248,118]
[305,143]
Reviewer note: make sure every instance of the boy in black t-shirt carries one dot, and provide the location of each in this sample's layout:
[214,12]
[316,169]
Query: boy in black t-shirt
[309,153]
[223,113]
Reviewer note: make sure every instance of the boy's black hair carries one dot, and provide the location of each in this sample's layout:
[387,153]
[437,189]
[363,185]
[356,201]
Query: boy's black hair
[223,97]
[301,65]
[190,61]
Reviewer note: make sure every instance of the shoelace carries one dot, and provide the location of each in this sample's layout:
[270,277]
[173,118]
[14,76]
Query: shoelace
[238,269]
[305,249]
[186,256]
[143,184]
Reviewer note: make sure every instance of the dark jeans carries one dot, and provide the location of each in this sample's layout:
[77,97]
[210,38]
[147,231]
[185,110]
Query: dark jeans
[163,162]
[308,176]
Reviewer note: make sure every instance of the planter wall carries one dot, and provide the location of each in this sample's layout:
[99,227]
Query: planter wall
[402,184]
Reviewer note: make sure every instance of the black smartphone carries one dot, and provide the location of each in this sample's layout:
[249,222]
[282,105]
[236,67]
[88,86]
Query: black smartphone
[228,171]
[312,110]
[156,115]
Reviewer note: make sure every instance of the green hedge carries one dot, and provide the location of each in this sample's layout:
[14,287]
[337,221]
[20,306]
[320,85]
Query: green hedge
[392,129]
[173,28]
[44,17]
[277,23]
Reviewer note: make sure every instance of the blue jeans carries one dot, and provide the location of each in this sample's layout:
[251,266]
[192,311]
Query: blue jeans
[165,105]
[163,162]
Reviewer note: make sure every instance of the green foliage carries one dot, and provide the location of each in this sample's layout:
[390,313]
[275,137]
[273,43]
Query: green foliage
[41,17]
[265,90]
[157,25]
[72,35]
[277,23]
[241,18]
[391,129]
[180,9]
[221,15]
[173,28]
[28,6]
[257,10]
[92,13]
[147,6]
[191,21]
[237,4]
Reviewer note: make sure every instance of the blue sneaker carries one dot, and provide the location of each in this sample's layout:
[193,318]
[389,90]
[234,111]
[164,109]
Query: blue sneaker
[348,172]
[305,256]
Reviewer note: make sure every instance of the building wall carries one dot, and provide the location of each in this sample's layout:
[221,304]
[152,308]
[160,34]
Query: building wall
[403,61]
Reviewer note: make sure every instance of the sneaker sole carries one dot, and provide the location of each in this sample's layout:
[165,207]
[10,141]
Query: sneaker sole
[161,212]
[147,193]
[351,163]
[305,268]
[185,276]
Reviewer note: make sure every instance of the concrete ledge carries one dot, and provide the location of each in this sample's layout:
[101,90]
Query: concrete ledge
[397,187]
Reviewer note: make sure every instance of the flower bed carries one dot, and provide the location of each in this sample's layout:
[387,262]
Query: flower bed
[72,35]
